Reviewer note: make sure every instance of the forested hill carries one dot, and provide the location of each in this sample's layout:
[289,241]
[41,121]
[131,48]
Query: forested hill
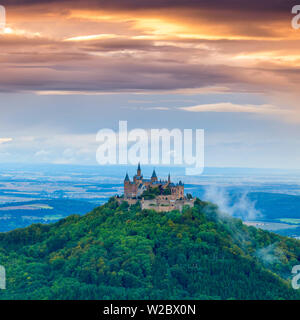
[121,252]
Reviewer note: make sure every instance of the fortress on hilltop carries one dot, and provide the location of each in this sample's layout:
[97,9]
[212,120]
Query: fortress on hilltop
[160,195]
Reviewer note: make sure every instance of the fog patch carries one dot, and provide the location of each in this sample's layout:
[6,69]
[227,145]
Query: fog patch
[242,207]
[270,254]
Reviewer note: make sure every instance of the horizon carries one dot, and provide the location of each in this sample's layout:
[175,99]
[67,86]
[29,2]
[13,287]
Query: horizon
[148,166]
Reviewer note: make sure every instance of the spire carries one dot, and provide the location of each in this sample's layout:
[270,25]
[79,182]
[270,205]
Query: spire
[169,178]
[154,174]
[127,177]
[139,171]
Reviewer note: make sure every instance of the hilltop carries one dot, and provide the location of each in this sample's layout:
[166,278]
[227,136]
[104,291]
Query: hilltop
[119,251]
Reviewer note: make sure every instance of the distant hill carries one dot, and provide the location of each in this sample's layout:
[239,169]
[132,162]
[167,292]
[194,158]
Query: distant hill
[122,252]
[276,205]
[271,205]
[22,214]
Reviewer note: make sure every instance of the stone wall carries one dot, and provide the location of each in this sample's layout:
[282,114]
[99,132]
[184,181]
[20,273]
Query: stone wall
[160,204]
[163,205]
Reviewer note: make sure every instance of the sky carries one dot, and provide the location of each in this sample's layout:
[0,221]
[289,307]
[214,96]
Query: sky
[71,68]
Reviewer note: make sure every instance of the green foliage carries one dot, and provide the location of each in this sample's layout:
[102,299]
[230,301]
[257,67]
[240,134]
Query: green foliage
[151,193]
[121,252]
[166,191]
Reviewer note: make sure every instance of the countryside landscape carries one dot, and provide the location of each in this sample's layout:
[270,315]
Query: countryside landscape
[267,199]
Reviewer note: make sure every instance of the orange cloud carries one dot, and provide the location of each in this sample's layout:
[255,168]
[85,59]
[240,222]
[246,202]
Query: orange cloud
[138,46]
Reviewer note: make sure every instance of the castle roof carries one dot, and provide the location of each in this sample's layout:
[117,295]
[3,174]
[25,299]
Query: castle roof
[154,174]
[127,177]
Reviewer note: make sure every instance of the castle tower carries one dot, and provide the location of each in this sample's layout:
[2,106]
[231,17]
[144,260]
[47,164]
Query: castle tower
[169,178]
[126,185]
[126,180]
[181,189]
[154,177]
[139,171]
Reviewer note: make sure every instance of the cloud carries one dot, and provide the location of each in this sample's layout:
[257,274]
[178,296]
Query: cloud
[5,140]
[69,148]
[253,6]
[231,107]
[160,46]
[41,153]
[242,207]
[92,37]
[270,254]
[130,46]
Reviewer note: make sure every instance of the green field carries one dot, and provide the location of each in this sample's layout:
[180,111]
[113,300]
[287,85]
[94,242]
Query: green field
[292,221]
[52,218]
[41,206]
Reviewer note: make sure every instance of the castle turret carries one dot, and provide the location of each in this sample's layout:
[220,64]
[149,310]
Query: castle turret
[126,185]
[169,178]
[154,177]
[181,189]
[139,171]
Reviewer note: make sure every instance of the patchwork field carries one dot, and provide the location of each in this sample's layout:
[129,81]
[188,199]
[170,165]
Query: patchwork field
[46,194]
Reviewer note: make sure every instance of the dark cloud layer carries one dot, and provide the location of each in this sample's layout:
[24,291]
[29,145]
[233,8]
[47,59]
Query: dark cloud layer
[109,74]
[226,10]
[237,5]
[127,65]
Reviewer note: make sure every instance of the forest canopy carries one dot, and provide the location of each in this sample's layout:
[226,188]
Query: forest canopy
[123,252]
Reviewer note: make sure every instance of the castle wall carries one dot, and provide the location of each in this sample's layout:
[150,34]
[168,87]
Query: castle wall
[160,205]
[130,190]
[163,205]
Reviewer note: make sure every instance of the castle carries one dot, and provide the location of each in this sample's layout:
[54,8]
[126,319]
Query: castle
[167,196]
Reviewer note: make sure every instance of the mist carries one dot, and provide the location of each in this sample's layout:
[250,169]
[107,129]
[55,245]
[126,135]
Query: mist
[242,207]
[270,254]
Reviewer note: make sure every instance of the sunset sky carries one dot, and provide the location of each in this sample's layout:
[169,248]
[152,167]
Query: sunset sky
[71,68]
